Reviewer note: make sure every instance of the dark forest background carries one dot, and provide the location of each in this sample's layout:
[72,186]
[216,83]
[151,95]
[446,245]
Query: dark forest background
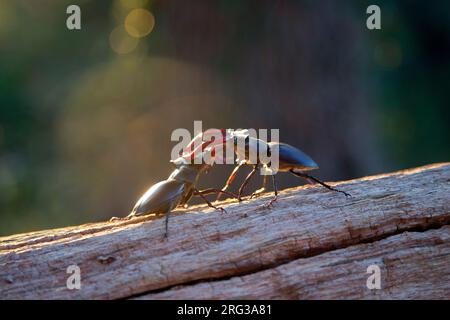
[86,116]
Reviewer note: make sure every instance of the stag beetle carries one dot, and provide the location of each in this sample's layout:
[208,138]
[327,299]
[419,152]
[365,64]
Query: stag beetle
[291,160]
[178,189]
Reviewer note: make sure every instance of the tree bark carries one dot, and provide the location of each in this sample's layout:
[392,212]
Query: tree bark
[313,244]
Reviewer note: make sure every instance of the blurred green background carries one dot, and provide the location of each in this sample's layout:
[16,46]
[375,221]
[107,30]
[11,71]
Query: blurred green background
[86,116]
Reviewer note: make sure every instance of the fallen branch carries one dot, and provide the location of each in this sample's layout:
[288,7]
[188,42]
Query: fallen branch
[313,243]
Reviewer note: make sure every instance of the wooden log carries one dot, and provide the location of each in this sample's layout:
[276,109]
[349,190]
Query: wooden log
[308,229]
[412,265]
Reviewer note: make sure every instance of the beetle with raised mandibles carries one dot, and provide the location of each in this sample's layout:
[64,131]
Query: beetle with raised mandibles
[178,189]
[291,160]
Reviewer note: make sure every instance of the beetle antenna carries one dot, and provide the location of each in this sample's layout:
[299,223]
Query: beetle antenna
[309,178]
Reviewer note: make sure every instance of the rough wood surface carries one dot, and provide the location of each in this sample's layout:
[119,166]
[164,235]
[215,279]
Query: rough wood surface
[313,244]
[413,265]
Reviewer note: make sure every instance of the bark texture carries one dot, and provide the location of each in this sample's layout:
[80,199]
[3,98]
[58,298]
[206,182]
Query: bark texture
[312,244]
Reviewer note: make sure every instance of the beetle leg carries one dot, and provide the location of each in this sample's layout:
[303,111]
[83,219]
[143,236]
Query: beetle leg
[247,179]
[201,194]
[213,190]
[114,219]
[128,217]
[166,225]
[275,190]
[185,199]
[208,191]
[260,190]
[230,179]
[309,178]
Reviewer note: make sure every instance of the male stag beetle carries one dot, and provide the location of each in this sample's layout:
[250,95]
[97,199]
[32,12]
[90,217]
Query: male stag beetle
[291,160]
[178,189]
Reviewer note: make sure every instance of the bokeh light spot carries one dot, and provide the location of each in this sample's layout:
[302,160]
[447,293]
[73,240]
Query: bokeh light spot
[139,23]
[121,42]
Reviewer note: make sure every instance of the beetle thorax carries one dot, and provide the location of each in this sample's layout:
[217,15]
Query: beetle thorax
[188,172]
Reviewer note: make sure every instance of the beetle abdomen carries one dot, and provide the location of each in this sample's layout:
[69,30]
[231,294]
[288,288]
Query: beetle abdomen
[293,158]
[162,197]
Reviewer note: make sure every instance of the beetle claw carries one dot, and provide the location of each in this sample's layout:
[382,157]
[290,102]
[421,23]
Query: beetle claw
[221,209]
[271,202]
[345,193]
